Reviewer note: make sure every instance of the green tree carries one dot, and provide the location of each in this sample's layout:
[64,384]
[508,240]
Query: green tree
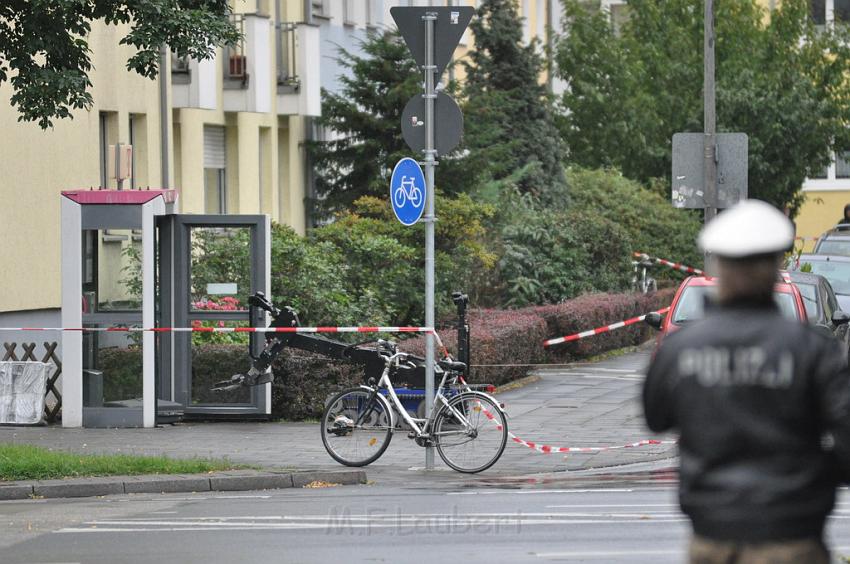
[508,119]
[363,125]
[385,260]
[45,55]
[779,80]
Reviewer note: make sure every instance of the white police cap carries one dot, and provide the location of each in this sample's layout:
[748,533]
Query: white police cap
[751,227]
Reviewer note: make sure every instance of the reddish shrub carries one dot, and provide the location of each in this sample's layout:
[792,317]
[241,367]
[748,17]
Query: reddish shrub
[498,337]
[596,310]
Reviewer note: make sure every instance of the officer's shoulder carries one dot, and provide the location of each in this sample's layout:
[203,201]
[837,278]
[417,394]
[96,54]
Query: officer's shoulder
[815,337]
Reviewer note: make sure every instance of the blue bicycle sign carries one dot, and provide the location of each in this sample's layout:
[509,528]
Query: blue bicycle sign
[407,191]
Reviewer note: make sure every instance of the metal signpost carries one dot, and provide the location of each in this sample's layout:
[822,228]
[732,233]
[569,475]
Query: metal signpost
[431,34]
[709,169]
[689,177]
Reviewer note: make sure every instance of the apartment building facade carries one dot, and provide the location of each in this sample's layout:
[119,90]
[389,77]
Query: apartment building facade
[226,133]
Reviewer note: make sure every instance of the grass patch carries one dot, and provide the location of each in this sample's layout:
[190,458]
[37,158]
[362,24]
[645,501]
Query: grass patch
[28,462]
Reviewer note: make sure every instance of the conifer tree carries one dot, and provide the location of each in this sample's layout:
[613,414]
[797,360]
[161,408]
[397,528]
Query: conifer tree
[509,125]
[362,124]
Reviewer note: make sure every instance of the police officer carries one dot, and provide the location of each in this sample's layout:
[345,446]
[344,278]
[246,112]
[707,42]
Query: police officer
[761,403]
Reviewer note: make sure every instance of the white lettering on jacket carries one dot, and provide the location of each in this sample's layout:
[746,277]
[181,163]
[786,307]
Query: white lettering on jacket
[741,366]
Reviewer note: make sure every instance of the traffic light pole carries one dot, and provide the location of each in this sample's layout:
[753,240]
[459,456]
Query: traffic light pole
[429,163]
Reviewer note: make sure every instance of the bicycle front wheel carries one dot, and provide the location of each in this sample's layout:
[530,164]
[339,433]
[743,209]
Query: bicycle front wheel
[357,427]
[470,432]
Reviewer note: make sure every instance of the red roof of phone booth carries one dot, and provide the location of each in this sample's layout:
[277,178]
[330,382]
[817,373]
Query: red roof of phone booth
[125,197]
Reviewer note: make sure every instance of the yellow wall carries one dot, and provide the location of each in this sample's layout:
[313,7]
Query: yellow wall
[37,165]
[265,159]
[821,211]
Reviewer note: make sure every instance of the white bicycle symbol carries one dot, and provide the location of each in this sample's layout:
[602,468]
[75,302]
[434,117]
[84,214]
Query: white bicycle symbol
[407,191]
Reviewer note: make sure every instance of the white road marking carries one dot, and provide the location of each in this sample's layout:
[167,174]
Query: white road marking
[608,553]
[621,377]
[620,370]
[600,505]
[444,522]
[534,492]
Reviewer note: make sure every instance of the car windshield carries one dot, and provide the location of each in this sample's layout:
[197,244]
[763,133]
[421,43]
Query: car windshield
[810,298]
[833,247]
[691,306]
[838,273]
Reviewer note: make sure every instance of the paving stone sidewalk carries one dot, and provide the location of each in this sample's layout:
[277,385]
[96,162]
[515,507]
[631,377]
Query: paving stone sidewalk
[583,405]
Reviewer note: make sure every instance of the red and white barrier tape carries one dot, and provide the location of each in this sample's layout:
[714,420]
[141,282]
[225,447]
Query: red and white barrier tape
[674,265]
[548,449]
[200,329]
[604,329]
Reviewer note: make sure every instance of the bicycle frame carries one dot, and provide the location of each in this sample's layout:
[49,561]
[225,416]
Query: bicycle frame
[419,426]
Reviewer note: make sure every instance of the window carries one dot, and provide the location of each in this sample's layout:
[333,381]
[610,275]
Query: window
[235,61]
[320,8]
[619,16]
[820,174]
[824,12]
[215,192]
[287,71]
[370,13]
[107,135]
[842,164]
[347,12]
[841,10]
[817,10]
[103,142]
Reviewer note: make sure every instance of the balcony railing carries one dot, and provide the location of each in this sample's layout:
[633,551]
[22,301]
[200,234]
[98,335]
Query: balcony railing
[235,61]
[287,65]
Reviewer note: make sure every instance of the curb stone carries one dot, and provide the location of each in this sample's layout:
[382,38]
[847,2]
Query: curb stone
[174,483]
[344,477]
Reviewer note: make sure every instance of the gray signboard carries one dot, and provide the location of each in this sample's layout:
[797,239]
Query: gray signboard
[688,164]
[448,125]
[449,26]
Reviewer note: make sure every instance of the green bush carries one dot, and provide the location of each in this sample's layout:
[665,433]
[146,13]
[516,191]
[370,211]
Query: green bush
[122,372]
[550,255]
[385,260]
[553,253]
[650,222]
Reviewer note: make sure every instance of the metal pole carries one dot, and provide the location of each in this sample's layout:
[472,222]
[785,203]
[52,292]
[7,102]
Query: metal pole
[163,117]
[709,115]
[430,163]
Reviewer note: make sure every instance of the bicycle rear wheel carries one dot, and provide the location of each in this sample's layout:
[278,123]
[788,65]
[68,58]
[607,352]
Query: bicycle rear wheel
[470,432]
[357,427]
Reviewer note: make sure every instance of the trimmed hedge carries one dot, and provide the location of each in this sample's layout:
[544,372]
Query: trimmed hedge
[499,337]
[596,310]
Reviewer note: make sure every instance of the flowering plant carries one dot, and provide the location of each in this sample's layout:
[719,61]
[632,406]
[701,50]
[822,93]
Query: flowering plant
[227,303]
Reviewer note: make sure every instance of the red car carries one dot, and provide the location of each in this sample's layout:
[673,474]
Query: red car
[689,303]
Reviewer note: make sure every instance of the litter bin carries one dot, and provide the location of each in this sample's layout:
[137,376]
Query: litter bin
[22,386]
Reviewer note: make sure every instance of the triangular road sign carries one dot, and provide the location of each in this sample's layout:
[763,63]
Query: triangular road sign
[449,26]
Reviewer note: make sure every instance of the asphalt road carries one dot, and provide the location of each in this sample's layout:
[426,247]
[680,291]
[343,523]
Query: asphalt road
[605,519]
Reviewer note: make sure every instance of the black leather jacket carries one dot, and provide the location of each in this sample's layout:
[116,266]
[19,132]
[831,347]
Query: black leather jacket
[752,395]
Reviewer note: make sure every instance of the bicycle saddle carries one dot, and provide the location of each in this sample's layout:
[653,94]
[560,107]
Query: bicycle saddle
[452,365]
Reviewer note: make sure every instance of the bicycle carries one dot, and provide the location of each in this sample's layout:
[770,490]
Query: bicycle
[407,191]
[640,281]
[469,429]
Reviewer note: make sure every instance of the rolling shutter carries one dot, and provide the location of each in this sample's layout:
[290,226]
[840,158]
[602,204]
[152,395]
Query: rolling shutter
[214,156]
